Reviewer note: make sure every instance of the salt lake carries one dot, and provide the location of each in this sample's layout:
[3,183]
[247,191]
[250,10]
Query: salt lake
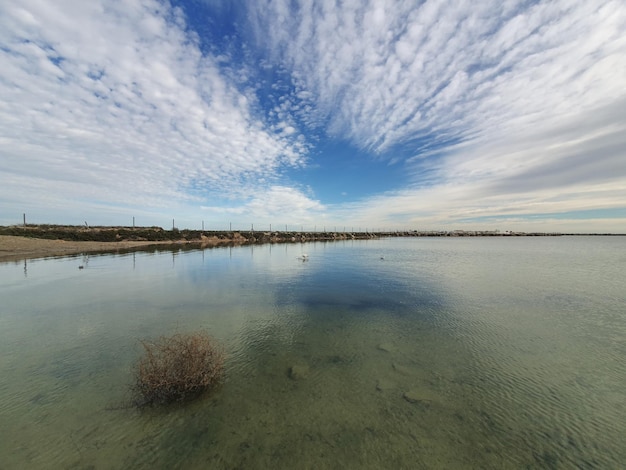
[499,352]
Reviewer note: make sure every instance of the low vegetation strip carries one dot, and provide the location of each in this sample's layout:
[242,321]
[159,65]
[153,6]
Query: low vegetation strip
[99,234]
[158,234]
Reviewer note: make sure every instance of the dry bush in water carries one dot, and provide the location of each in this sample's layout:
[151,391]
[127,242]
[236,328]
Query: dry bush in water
[177,368]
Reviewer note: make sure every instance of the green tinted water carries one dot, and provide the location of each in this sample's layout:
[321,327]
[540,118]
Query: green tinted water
[447,353]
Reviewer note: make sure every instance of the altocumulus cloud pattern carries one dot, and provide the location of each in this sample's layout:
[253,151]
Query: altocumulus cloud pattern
[430,115]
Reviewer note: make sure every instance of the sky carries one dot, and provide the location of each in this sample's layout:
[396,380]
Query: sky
[380,115]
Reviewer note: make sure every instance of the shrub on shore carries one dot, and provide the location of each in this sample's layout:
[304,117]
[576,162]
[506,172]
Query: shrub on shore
[100,234]
[177,368]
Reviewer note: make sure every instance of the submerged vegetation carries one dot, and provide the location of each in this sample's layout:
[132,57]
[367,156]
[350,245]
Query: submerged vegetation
[177,368]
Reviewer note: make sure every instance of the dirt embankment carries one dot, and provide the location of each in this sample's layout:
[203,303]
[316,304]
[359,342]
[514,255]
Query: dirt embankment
[14,248]
[41,241]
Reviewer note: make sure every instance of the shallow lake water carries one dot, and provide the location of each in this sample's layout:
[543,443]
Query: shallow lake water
[414,353]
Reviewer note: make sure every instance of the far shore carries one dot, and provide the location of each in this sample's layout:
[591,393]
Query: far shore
[20,242]
[31,242]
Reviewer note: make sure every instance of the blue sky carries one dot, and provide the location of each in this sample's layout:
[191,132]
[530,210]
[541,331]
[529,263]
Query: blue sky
[383,115]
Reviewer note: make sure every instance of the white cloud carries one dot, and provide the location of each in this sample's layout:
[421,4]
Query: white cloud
[276,204]
[495,108]
[113,101]
[510,106]
[387,75]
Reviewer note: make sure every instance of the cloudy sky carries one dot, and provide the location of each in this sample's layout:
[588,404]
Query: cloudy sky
[490,114]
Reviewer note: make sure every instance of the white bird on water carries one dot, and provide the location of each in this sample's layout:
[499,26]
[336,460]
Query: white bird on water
[304,257]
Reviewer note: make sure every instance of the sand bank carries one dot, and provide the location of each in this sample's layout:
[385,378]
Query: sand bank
[18,248]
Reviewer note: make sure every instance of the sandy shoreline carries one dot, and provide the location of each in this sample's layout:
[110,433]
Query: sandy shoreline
[16,248]
[19,248]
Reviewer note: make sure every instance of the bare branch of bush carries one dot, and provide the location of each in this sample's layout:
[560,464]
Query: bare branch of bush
[177,368]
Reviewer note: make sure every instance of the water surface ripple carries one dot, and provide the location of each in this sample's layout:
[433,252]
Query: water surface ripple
[399,353]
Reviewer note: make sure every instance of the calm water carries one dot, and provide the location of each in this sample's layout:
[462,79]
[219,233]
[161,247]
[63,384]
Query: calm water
[448,353]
